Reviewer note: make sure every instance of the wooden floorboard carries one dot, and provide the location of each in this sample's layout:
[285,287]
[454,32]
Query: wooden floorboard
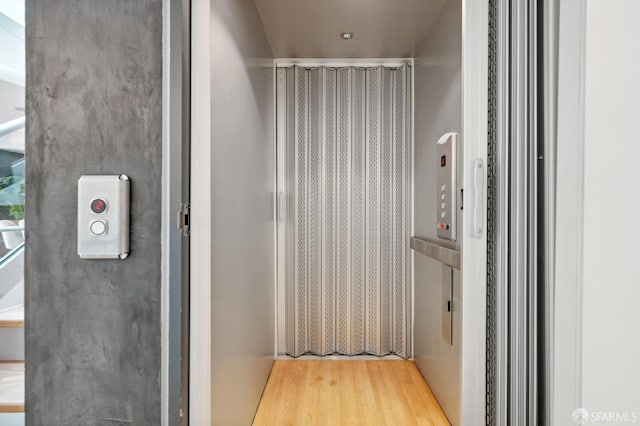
[12,317]
[330,392]
[11,387]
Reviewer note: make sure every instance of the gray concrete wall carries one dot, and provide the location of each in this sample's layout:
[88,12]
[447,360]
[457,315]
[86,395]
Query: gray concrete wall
[94,106]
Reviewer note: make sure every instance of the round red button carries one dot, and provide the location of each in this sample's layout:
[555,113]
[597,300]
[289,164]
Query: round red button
[98,206]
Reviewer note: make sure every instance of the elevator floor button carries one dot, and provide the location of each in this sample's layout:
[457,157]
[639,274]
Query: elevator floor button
[98,227]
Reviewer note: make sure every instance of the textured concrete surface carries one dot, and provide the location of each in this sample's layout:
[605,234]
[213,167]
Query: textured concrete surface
[94,106]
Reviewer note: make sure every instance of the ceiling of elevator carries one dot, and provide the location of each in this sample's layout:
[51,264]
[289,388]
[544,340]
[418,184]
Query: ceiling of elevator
[313,28]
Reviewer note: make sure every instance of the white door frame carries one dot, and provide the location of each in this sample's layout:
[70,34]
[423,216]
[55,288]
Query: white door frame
[565,277]
[201,195]
[475,91]
[475,76]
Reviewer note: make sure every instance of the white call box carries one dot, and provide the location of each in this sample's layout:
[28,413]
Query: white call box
[103,216]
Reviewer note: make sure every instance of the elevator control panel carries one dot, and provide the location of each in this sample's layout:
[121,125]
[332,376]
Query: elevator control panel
[103,216]
[446,186]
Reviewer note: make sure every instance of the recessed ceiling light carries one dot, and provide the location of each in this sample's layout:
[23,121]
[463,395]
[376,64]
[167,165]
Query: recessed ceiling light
[347,35]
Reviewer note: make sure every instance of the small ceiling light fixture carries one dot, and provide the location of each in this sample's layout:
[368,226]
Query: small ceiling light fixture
[348,35]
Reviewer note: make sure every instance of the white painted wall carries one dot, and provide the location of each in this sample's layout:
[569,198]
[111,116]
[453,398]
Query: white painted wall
[232,247]
[12,64]
[597,350]
[12,295]
[611,277]
[449,100]
[438,110]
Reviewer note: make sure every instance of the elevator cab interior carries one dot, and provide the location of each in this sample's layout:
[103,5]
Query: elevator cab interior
[338,187]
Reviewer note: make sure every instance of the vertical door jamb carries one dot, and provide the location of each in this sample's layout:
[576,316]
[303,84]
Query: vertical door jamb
[282,210]
[186,207]
[475,36]
[175,183]
[201,158]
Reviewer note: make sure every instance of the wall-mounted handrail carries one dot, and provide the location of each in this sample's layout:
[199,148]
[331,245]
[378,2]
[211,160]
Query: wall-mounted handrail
[10,255]
[441,254]
[11,228]
[12,126]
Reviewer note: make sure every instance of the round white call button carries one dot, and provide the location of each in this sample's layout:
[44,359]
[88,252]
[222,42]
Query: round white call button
[98,227]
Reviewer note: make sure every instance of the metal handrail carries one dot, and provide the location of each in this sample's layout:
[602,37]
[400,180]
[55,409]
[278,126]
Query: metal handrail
[11,228]
[441,254]
[12,126]
[11,255]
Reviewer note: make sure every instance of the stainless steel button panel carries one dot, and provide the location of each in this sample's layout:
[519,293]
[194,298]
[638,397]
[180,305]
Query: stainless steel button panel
[447,163]
[103,217]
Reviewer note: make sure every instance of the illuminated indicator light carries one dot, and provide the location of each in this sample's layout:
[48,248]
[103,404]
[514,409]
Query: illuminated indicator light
[98,206]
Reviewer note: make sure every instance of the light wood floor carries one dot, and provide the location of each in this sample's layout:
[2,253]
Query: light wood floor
[12,317]
[11,387]
[329,392]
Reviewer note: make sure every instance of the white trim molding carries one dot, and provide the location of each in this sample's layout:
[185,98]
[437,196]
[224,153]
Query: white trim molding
[475,76]
[201,199]
[566,358]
